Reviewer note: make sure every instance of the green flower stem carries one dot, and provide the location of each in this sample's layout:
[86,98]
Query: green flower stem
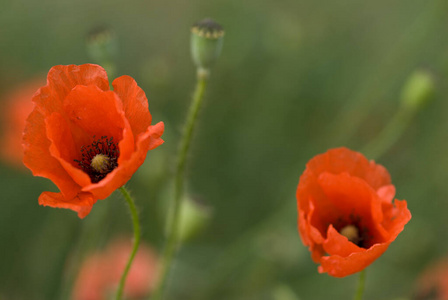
[136,225]
[173,226]
[361,285]
[390,134]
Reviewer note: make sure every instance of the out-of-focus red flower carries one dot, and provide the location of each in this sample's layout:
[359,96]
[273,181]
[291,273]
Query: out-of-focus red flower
[16,107]
[433,283]
[85,138]
[101,272]
[346,214]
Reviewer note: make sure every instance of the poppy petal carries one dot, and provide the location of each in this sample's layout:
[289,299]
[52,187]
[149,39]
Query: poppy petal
[353,196]
[397,216]
[339,266]
[62,79]
[314,233]
[135,103]
[337,244]
[82,203]
[94,120]
[38,158]
[350,195]
[341,160]
[63,147]
[91,116]
[386,193]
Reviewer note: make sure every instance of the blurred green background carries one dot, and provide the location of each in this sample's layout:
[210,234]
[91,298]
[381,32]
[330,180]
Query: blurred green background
[295,78]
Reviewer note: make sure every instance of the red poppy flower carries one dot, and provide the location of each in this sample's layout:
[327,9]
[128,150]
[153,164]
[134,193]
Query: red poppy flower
[101,272]
[433,282]
[346,214]
[15,109]
[85,138]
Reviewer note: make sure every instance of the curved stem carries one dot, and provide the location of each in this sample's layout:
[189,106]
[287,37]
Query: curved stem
[390,134]
[136,224]
[361,285]
[173,226]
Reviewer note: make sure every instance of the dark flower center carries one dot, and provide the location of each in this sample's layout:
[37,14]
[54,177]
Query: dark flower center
[351,232]
[99,158]
[354,231]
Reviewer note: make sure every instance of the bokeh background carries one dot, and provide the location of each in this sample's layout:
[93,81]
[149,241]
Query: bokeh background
[295,78]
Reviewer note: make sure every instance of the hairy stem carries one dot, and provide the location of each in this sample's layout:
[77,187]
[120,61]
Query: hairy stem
[173,226]
[136,225]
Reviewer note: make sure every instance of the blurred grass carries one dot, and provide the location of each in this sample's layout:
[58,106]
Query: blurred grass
[295,78]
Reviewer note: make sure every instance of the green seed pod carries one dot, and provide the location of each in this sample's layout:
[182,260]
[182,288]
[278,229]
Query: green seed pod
[418,90]
[206,43]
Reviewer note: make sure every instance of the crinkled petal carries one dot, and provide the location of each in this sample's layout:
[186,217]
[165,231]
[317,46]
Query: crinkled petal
[63,147]
[62,79]
[350,195]
[337,244]
[308,186]
[95,111]
[339,266]
[314,233]
[340,160]
[85,107]
[39,160]
[396,217]
[135,103]
[118,177]
[353,196]
[82,203]
[386,193]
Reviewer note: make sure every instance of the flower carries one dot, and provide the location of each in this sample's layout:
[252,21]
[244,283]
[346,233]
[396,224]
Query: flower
[85,138]
[101,272]
[346,214]
[433,282]
[15,109]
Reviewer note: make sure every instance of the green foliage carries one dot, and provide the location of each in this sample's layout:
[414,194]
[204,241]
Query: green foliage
[294,79]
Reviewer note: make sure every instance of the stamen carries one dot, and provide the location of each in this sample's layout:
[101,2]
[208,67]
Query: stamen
[99,158]
[351,232]
[100,163]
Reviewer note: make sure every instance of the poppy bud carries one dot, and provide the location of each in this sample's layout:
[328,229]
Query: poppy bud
[418,90]
[194,216]
[284,292]
[206,43]
[102,48]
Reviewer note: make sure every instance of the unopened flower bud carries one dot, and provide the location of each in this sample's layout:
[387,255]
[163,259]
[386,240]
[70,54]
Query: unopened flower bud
[206,43]
[284,292]
[102,47]
[418,90]
[194,217]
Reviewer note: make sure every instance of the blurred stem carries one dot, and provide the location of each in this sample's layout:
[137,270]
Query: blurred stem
[387,69]
[361,285]
[92,233]
[173,221]
[390,133]
[136,225]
